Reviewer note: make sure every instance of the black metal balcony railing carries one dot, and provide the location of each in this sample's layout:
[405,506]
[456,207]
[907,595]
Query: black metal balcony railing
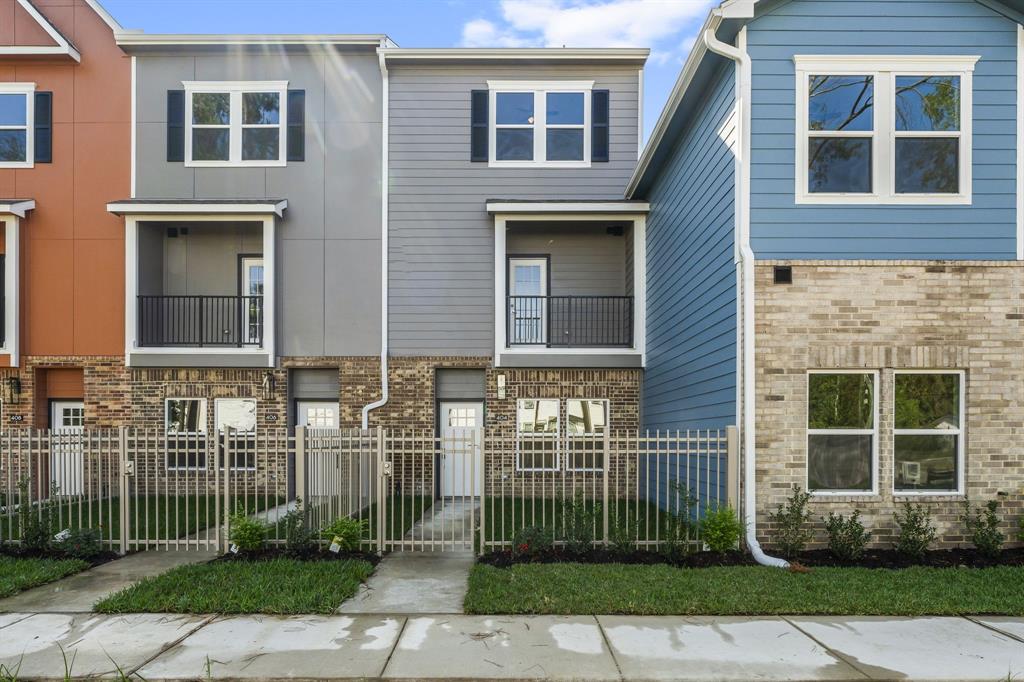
[198,321]
[570,321]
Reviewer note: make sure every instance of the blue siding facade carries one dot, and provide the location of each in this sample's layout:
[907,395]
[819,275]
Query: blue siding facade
[690,379]
[782,229]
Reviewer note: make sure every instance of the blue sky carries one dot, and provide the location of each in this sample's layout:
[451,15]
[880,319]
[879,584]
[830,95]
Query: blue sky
[667,27]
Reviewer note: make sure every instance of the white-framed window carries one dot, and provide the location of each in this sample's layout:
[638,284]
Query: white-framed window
[239,415]
[185,427]
[884,129]
[236,123]
[539,123]
[17,116]
[538,428]
[928,433]
[842,432]
[586,424]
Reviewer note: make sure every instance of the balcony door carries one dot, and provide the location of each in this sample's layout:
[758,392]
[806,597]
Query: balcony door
[252,305]
[527,306]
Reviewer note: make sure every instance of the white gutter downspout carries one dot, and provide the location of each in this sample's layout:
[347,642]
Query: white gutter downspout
[745,273]
[382,60]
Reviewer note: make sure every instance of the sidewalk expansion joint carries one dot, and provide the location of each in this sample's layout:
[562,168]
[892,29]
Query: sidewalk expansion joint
[829,650]
[993,628]
[611,651]
[173,643]
[398,638]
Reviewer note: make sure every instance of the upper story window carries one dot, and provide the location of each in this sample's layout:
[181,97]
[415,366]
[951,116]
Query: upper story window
[884,130]
[236,124]
[540,124]
[16,121]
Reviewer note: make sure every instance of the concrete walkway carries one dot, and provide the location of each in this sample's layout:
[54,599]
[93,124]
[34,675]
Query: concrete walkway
[170,647]
[78,593]
[414,582]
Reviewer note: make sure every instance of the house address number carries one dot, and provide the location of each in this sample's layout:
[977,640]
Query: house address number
[17,417]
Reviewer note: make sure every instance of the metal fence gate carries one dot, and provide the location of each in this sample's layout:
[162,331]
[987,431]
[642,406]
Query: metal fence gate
[467,489]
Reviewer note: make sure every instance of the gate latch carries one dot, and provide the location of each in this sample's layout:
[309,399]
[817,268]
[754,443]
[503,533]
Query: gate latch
[387,468]
[129,468]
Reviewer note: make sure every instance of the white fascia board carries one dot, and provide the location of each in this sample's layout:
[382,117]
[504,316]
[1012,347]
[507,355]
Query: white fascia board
[18,208]
[569,207]
[193,209]
[131,38]
[62,47]
[732,9]
[536,53]
[106,16]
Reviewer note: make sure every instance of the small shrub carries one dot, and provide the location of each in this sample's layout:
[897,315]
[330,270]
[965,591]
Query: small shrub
[790,524]
[579,520]
[677,538]
[37,523]
[247,534]
[81,543]
[983,527]
[532,540]
[915,530]
[348,531]
[847,537]
[623,534]
[298,536]
[720,529]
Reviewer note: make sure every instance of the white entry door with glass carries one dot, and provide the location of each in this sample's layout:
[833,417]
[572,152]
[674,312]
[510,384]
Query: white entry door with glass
[461,449]
[527,301]
[67,461]
[252,300]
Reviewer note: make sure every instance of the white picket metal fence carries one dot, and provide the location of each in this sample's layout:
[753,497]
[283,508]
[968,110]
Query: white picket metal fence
[471,490]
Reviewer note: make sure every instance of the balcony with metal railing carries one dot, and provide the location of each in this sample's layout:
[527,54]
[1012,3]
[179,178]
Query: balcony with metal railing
[570,321]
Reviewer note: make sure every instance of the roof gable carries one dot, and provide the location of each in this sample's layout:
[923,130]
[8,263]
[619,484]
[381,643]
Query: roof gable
[35,35]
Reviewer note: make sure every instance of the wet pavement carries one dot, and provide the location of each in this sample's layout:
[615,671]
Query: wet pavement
[162,646]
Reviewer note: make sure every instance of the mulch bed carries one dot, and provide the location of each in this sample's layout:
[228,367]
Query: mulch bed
[878,558]
[17,552]
[271,554]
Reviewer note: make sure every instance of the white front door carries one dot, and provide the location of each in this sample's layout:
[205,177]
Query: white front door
[528,289]
[67,460]
[461,451]
[324,472]
[252,288]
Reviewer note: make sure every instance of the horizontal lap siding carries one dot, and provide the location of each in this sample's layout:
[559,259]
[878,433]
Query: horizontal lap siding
[984,230]
[690,379]
[441,239]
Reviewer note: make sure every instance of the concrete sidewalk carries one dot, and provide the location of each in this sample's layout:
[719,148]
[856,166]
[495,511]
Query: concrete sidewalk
[171,647]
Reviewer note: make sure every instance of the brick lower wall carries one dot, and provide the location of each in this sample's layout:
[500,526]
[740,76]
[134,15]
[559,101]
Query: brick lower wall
[889,316]
[105,384]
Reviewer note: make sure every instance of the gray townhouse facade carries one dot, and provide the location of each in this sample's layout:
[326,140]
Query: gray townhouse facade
[332,231]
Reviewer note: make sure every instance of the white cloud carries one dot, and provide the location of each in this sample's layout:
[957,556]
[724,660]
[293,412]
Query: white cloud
[587,23]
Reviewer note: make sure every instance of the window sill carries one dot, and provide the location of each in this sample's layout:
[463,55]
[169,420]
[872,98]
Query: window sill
[17,164]
[885,200]
[239,164]
[538,164]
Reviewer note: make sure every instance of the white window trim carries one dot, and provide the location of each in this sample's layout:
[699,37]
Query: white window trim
[960,433]
[29,90]
[873,432]
[235,90]
[216,418]
[202,433]
[550,437]
[885,69]
[587,437]
[11,225]
[540,89]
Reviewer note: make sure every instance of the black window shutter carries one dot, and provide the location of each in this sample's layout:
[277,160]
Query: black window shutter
[599,125]
[44,127]
[175,125]
[478,132]
[296,125]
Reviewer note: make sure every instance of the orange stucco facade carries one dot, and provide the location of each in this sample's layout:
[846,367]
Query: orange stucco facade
[72,249]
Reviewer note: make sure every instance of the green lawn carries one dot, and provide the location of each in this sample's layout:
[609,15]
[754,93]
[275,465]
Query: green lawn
[742,590]
[161,517]
[278,586]
[17,574]
[639,520]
